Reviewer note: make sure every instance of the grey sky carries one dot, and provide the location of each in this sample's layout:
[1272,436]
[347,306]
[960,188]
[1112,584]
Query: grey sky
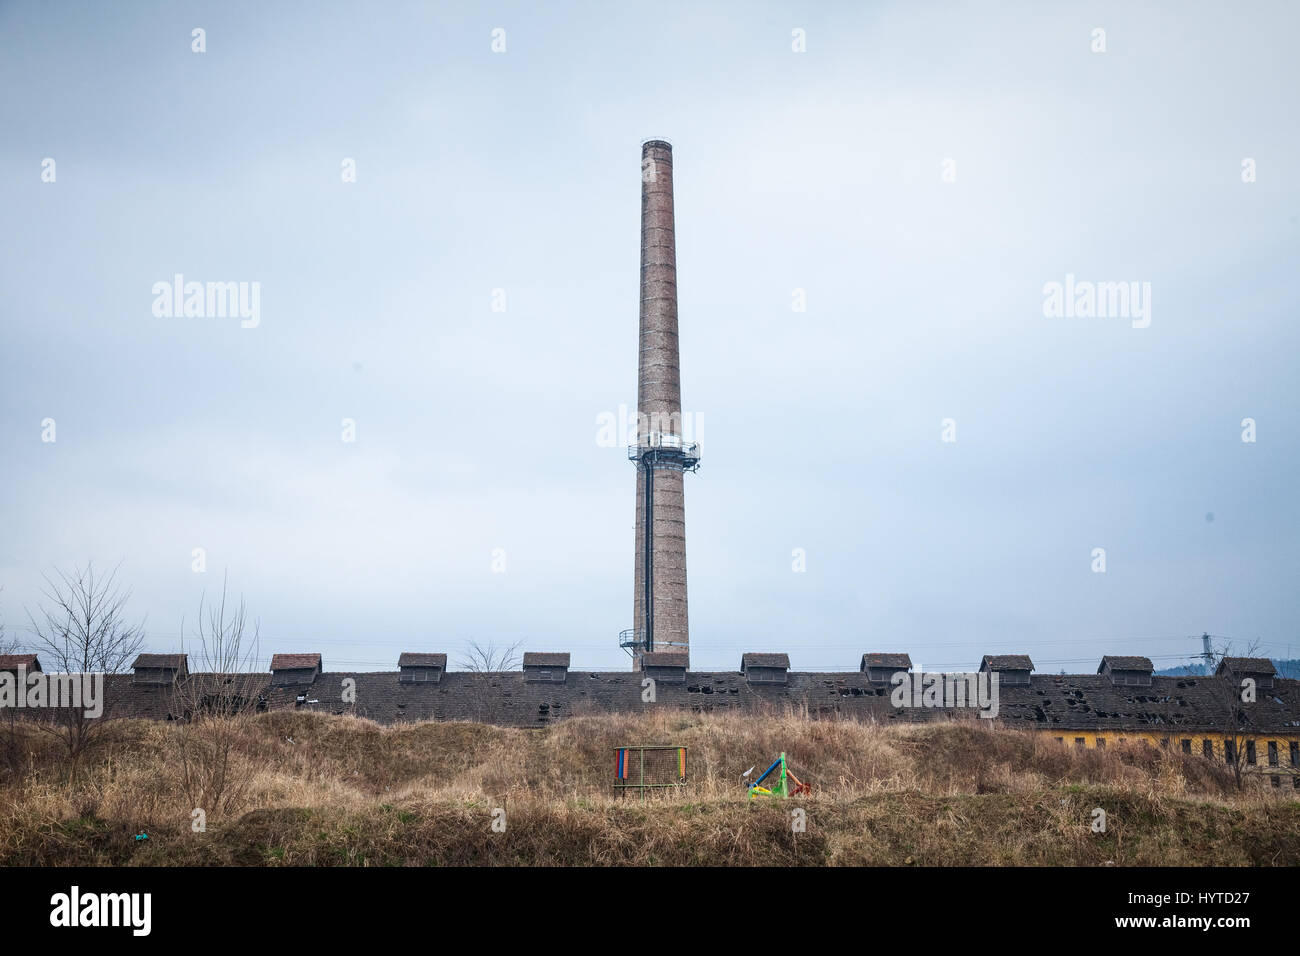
[820,429]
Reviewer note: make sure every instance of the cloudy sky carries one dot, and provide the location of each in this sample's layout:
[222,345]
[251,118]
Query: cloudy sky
[921,172]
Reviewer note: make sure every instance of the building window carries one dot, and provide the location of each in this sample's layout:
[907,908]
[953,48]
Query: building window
[1101,743]
[1079,742]
[1187,746]
[1230,751]
[1060,740]
[1250,751]
[1164,742]
[1207,748]
[419,674]
[1272,753]
[1295,756]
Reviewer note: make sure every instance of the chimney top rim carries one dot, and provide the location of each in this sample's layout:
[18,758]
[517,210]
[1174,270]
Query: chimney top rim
[656,141]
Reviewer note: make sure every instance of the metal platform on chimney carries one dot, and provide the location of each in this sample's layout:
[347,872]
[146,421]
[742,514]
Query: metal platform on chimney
[666,451]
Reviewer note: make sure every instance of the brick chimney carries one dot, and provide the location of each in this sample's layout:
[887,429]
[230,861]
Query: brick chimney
[661,453]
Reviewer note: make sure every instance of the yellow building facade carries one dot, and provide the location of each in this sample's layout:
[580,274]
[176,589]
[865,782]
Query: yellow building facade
[1271,754]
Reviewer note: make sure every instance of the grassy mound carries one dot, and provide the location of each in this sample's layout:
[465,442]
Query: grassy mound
[324,790]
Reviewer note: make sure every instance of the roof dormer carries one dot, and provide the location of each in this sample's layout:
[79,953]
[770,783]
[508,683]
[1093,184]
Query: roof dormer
[1011,669]
[9,663]
[666,666]
[159,668]
[545,668]
[1258,669]
[421,668]
[295,668]
[881,667]
[765,668]
[1127,671]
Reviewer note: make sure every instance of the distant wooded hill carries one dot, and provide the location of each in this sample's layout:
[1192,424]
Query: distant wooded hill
[1288,668]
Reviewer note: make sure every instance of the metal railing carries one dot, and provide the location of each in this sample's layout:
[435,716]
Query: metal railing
[666,449]
[633,638]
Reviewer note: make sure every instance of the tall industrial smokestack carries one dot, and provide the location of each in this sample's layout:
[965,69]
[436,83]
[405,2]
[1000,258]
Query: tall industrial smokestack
[661,452]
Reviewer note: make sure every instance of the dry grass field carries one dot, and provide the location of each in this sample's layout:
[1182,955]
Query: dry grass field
[324,790]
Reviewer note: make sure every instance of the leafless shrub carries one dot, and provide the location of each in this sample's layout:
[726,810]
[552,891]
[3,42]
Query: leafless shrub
[10,751]
[484,660]
[1237,712]
[488,658]
[215,704]
[8,645]
[81,628]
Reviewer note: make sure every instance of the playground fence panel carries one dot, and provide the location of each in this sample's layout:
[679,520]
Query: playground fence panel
[649,767]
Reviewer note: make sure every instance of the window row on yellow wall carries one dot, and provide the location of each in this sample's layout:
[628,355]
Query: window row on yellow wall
[1209,747]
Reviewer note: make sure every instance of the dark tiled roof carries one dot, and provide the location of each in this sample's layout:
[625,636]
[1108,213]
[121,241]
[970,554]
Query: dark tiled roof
[665,659]
[11,662]
[764,660]
[408,659]
[1246,665]
[173,661]
[886,660]
[291,662]
[1172,705]
[542,659]
[1125,663]
[1007,662]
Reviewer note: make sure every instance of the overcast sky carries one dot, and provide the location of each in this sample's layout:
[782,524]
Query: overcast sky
[822,430]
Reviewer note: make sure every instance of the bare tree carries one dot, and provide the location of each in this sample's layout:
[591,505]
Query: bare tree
[10,747]
[81,628]
[214,704]
[485,659]
[1234,704]
[8,645]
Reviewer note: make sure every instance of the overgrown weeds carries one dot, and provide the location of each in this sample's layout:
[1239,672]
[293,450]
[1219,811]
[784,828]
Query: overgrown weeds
[323,790]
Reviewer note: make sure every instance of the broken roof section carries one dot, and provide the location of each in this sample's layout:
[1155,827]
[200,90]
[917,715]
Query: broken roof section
[1192,705]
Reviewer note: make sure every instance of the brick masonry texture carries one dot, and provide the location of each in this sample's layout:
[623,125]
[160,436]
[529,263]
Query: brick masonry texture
[659,394]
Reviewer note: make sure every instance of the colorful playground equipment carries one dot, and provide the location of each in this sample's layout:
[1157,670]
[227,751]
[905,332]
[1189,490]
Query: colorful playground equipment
[781,788]
[649,767]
